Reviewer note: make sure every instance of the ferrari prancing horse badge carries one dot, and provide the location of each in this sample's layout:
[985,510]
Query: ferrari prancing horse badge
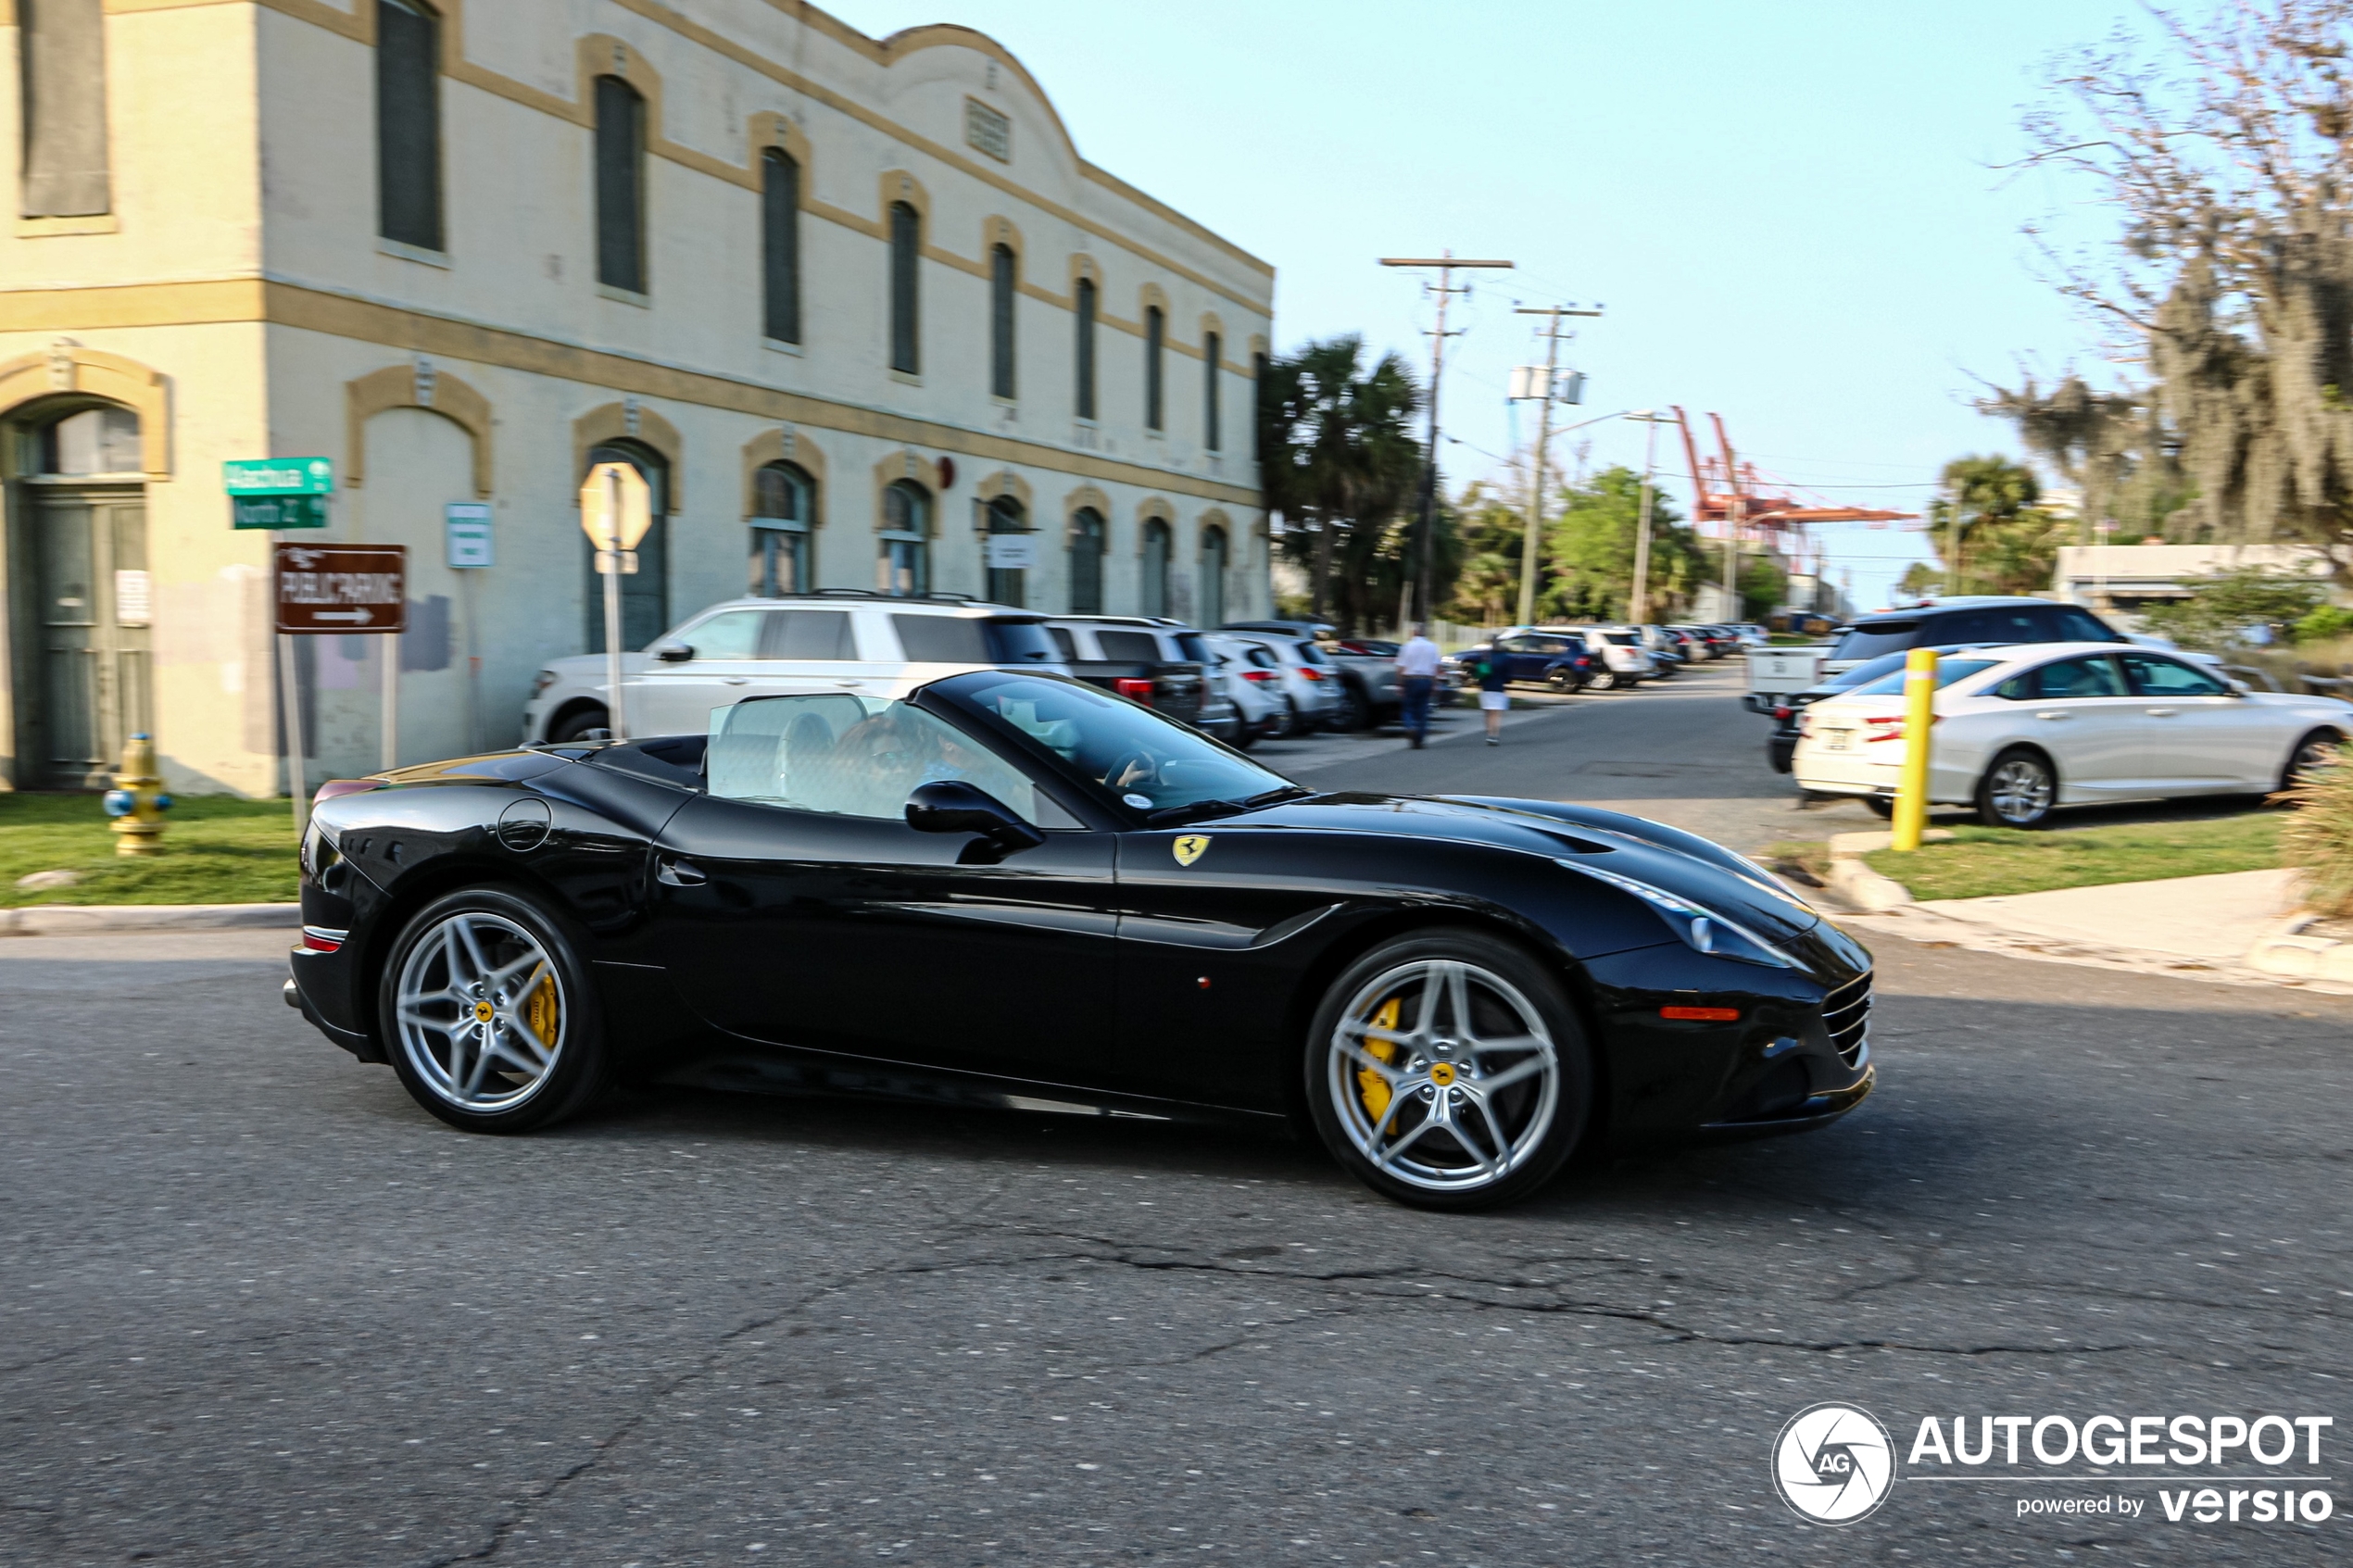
[1189,847]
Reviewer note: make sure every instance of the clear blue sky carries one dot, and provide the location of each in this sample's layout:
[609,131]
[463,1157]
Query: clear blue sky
[1788,209]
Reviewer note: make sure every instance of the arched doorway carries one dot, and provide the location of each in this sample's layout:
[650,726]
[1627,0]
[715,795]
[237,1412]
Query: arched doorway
[1213,561]
[82,528]
[645,594]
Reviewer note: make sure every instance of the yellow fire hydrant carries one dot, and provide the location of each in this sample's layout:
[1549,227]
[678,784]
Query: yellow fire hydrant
[137,801]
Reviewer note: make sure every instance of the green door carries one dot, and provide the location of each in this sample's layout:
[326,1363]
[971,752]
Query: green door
[96,687]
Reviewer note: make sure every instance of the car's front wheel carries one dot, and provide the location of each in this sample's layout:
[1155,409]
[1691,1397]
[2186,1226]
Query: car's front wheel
[2322,748]
[1447,1071]
[2019,791]
[584,722]
[490,1016]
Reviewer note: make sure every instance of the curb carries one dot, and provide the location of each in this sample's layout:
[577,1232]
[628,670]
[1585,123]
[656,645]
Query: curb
[1865,889]
[82,919]
[2286,951]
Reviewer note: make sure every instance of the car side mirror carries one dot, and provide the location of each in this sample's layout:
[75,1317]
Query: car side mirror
[673,653]
[953,805]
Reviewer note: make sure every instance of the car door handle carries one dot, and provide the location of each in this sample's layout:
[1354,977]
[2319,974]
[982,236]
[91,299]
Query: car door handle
[2054,713]
[679,872]
[737,679]
[2160,713]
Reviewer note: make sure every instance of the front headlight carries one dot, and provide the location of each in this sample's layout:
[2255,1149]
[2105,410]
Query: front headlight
[1703,930]
[542,680]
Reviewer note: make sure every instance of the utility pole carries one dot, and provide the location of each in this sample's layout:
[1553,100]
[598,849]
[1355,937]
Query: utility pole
[1543,436]
[1446,262]
[1638,603]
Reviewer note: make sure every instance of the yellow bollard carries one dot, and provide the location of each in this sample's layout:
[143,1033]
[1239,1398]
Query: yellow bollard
[1919,712]
[137,802]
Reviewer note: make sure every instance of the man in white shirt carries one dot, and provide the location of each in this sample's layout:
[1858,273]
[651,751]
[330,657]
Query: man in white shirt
[1418,664]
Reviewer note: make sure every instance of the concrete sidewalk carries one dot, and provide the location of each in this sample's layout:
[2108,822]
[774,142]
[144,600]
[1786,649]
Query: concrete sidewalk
[2204,927]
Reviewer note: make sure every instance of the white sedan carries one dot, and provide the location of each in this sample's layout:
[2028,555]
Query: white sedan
[2023,731]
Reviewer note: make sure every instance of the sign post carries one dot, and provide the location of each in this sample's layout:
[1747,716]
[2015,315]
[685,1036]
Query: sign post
[616,508]
[275,494]
[334,589]
[466,535]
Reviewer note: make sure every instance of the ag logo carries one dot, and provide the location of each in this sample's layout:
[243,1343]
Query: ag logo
[1190,847]
[1834,1463]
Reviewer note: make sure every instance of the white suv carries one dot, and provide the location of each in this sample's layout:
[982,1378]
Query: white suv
[750,647]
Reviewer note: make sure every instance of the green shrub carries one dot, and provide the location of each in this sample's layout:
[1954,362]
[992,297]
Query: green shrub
[2324,624]
[2318,837]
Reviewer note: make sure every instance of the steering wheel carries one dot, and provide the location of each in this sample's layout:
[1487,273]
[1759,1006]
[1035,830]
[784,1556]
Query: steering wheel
[1132,765]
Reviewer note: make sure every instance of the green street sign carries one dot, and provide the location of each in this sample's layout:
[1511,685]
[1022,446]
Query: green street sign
[278,476]
[278,512]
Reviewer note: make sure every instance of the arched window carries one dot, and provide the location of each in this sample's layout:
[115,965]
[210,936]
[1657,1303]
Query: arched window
[1211,437]
[1007,585]
[409,123]
[621,185]
[783,548]
[1155,342]
[905,569]
[1212,577]
[779,246]
[1152,589]
[645,594]
[1085,368]
[906,251]
[1000,320]
[1087,562]
[62,57]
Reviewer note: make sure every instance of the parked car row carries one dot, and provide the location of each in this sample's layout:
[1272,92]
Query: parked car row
[1239,683]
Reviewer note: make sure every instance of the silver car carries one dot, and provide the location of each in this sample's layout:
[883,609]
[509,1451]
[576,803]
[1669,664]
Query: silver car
[1309,681]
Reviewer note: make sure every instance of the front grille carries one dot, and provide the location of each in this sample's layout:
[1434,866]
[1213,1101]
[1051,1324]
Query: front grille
[1846,1012]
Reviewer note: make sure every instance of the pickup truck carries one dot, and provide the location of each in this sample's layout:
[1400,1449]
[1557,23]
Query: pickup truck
[1160,665]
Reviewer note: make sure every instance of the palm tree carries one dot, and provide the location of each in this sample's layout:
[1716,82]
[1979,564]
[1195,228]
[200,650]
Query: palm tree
[1339,456]
[1981,494]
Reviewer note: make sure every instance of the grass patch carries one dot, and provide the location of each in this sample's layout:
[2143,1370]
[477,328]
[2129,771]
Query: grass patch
[217,849]
[1983,862]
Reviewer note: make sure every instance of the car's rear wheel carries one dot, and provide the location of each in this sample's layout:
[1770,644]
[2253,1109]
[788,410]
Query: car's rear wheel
[1356,709]
[1604,680]
[1447,1071]
[1882,806]
[2019,791]
[1561,678]
[586,722]
[490,1016]
[2322,748]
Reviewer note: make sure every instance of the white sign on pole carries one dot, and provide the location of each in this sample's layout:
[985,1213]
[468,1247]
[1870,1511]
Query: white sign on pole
[1011,552]
[466,526]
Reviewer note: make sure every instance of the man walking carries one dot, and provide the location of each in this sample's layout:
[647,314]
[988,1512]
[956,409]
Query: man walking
[1418,664]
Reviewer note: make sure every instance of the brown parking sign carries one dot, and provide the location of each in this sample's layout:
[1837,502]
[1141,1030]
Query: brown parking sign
[342,588]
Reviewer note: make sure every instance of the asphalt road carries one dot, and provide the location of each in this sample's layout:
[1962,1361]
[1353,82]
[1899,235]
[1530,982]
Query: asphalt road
[256,1308]
[1683,751]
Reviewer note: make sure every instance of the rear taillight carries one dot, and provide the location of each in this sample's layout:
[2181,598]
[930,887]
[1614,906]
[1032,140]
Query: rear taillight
[1133,688]
[1309,672]
[1258,676]
[321,939]
[1890,727]
[1780,715]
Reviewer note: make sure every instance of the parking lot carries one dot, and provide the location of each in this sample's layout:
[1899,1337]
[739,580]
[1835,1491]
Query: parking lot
[260,1309]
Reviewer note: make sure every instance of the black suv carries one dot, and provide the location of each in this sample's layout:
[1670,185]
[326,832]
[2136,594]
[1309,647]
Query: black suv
[1983,622]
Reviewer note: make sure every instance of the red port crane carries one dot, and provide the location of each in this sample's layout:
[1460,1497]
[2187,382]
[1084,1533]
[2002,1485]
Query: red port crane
[1724,491]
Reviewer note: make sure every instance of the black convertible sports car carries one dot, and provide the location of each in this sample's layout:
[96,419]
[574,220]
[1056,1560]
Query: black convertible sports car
[1017,889]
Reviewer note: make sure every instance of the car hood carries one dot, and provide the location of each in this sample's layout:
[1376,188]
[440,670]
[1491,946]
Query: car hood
[1681,863]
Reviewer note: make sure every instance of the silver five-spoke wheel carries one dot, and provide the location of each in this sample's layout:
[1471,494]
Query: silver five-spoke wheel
[1443,1075]
[481,1011]
[2016,792]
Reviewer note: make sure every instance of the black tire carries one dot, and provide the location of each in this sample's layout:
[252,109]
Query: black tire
[1357,709]
[1561,678]
[586,722]
[2020,790]
[1604,680]
[1245,736]
[581,1065]
[1882,807]
[2319,749]
[1293,725]
[1541,1116]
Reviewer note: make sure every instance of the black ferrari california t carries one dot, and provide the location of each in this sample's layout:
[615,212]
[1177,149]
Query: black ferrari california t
[1016,890]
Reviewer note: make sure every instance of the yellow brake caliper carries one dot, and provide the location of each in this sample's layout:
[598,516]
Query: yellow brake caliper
[542,1012]
[1371,1087]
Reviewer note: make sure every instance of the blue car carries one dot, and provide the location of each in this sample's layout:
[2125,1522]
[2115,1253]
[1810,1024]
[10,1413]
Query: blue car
[1559,660]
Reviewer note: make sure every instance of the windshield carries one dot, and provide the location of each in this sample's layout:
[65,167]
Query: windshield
[1948,671]
[1130,754]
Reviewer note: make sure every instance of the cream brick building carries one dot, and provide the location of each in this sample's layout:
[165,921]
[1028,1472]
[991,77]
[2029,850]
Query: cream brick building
[853,306]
